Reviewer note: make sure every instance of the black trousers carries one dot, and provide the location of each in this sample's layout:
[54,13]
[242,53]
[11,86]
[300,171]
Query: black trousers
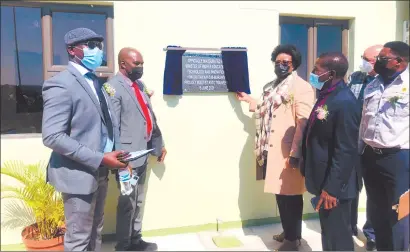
[386,177]
[353,212]
[291,210]
[336,228]
[367,229]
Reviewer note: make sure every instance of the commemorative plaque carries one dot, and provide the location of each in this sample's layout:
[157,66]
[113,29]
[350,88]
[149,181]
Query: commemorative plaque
[203,72]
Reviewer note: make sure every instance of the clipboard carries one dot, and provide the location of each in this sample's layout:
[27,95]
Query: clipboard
[403,207]
[137,154]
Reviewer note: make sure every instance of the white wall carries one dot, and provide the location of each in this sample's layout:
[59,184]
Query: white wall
[209,172]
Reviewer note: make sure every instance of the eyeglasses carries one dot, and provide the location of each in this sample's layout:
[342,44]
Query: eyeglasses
[386,59]
[282,62]
[93,44]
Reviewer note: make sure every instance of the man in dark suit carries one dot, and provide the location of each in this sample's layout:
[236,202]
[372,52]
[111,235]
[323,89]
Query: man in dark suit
[79,126]
[138,131]
[331,163]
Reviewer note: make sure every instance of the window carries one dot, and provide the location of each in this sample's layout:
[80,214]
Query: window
[66,21]
[313,37]
[33,50]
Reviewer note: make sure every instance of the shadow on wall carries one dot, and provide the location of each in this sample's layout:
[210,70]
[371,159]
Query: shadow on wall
[153,167]
[112,197]
[171,100]
[251,191]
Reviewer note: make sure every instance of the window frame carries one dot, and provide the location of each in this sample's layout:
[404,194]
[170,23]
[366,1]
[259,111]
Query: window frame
[47,8]
[312,24]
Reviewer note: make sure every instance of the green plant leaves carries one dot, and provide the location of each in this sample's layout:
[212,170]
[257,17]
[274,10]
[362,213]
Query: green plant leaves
[39,202]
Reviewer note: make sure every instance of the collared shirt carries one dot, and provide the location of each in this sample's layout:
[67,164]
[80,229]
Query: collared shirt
[385,115]
[109,144]
[130,83]
[358,81]
[323,95]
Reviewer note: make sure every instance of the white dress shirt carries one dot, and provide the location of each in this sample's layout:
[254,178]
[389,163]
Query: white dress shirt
[386,125]
[109,145]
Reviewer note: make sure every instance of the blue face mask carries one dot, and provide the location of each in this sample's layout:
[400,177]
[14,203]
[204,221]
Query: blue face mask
[314,81]
[92,58]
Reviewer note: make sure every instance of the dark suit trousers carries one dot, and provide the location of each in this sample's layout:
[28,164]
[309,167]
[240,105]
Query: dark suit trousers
[336,229]
[84,218]
[386,178]
[291,210]
[129,213]
[368,230]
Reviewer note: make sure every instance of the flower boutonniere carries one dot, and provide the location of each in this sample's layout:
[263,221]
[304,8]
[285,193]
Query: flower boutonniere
[322,112]
[282,96]
[393,100]
[109,89]
[288,98]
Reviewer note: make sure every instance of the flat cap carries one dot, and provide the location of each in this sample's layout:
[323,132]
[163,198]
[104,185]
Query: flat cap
[81,34]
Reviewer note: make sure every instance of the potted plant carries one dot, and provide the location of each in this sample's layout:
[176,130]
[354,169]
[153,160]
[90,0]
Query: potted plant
[35,205]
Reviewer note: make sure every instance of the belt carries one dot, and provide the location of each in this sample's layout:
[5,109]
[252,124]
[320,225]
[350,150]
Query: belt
[382,151]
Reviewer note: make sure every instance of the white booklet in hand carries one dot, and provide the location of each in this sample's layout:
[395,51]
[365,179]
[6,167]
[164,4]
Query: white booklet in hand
[137,154]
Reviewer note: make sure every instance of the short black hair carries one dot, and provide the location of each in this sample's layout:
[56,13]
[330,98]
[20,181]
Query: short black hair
[290,50]
[399,48]
[335,61]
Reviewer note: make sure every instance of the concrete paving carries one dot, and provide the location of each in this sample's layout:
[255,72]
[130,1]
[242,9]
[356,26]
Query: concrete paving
[257,238]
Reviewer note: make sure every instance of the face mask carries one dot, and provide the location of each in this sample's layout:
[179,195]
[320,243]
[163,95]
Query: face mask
[314,81]
[136,73]
[281,71]
[92,58]
[366,67]
[380,68]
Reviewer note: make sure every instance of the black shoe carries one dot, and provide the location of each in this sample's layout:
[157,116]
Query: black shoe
[289,245]
[370,245]
[354,231]
[144,246]
[279,237]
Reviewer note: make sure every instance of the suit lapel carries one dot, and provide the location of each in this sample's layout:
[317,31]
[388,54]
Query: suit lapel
[84,84]
[327,103]
[131,92]
[110,108]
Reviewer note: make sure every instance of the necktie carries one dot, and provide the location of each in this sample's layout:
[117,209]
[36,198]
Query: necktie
[103,103]
[143,106]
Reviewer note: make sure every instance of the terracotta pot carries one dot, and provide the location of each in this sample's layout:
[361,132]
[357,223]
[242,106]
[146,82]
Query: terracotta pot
[55,244]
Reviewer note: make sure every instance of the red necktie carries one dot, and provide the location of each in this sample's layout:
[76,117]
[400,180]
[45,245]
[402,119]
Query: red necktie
[144,107]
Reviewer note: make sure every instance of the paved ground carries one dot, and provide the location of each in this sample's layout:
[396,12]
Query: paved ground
[253,239]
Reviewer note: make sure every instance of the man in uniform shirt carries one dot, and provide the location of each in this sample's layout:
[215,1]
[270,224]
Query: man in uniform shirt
[358,81]
[384,144]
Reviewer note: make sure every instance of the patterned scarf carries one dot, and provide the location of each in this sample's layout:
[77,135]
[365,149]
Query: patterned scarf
[263,117]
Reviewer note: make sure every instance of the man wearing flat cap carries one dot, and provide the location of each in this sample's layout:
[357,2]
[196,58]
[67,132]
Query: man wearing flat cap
[81,129]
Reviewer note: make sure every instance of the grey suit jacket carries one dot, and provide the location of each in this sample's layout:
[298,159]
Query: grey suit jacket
[133,136]
[73,127]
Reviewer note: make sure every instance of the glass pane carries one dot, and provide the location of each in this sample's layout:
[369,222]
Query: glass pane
[22,70]
[66,21]
[329,39]
[8,48]
[30,56]
[8,70]
[297,35]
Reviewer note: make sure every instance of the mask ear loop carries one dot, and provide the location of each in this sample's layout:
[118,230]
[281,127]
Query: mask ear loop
[324,74]
[78,49]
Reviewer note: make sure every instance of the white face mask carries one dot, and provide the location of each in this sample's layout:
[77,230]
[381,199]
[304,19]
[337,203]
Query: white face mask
[366,67]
